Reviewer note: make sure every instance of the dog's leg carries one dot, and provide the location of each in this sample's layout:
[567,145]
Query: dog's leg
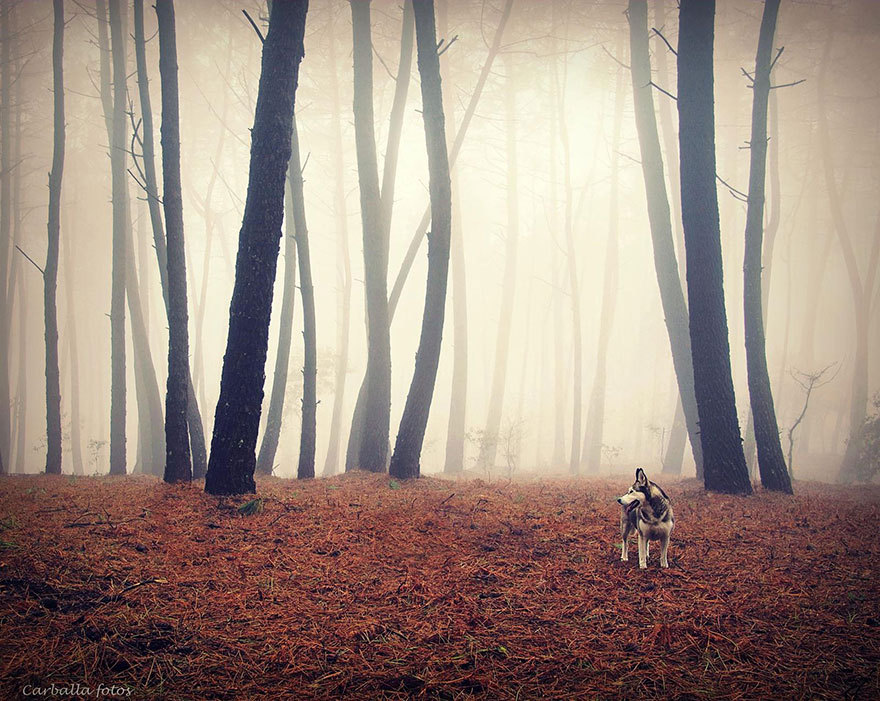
[624,538]
[647,549]
[664,544]
[643,551]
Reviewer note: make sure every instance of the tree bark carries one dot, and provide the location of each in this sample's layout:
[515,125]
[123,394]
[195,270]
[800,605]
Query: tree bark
[178,465]
[724,464]
[665,262]
[50,273]
[237,420]
[771,461]
[408,447]
[118,148]
[306,466]
[275,414]
[74,394]
[343,321]
[372,445]
[489,445]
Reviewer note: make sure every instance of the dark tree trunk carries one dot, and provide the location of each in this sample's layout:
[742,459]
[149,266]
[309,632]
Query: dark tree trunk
[595,428]
[275,414]
[306,467]
[408,447]
[724,465]
[771,461]
[178,466]
[659,216]
[343,322]
[237,420]
[198,452]
[118,148]
[50,273]
[373,444]
[489,445]
[386,197]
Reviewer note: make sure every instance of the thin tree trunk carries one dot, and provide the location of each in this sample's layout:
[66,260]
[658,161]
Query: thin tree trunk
[665,261]
[771,461]
[306,466]
[343,320]
[50,273]
[275,414]
[374,428]
[178,465]
[489,445]
[118,148]
[408,447]
[724,464]
[596,412]
[237,420]
[20,464]
[386,205]
[7,32]
[75,413]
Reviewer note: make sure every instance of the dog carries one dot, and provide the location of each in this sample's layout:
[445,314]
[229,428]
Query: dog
[645,509]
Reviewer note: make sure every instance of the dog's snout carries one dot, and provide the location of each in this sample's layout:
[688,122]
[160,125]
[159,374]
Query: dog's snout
[619,500]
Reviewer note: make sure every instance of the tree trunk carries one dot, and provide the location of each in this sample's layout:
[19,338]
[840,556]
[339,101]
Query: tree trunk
[7,32]
[489,445]
[665,262]
[593,437]
[118,147]
[275,414]
[724,464]
[408,447]
[771,461]
[178,465]
[198,452]
[343,320]
[237,420]
[306,467]
[386,197]
[50,273]
[373,444]
[75,414]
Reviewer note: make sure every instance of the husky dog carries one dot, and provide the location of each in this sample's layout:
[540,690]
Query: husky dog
[645,508]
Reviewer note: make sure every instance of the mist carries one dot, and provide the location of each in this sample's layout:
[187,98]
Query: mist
[552,144]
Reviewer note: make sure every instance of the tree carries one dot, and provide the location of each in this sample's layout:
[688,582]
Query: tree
[117,295]
[665,263]
[198,453]
[275,413]
[237,419]
[372,437]
[50,273]
[724,464]
[7,33]
[178,467]
[410,436]
[489,444]
[306,466]
[386,194]
[771,462]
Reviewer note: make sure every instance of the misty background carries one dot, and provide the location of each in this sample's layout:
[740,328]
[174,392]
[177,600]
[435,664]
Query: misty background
[561,63]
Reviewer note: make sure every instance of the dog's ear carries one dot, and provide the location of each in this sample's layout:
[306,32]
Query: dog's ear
[641,477]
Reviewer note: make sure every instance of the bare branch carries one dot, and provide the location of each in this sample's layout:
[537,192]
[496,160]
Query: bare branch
[665,92]
[42,272]
[788,85]
[737,194]
[668,45]
[254,25]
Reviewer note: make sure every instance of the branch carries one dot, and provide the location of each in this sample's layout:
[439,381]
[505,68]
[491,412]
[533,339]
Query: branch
[665,92]
[615,59]
[660,34]
[788,85]
[254,25]
[42,272]
[776,57]
[445,48]
[741,196]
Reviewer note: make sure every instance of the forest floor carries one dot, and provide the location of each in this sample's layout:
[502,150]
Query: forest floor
[361,587]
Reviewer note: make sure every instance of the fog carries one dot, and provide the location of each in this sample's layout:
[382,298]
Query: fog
[573,54]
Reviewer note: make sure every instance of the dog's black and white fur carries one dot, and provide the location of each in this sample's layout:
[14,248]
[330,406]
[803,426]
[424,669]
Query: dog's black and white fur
[645,508]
